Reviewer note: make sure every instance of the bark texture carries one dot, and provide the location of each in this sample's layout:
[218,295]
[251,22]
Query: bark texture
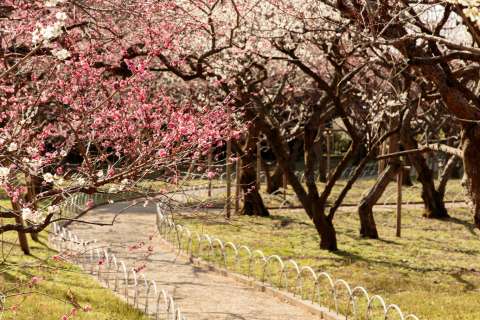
[310,201]
[275,180]
[471,163]
[432,199]
[252,200]
[22,237]
[368,228]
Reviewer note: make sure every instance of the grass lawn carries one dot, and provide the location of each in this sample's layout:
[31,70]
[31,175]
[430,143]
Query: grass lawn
[60,284]
[454,192]
[433,271]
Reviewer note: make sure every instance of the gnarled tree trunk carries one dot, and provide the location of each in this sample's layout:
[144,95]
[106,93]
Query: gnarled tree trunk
[22,237]
[446,175]
[313,205]
[252,200]
[433,200]
[275,180]
[368,228]
[471,163]
[322,161]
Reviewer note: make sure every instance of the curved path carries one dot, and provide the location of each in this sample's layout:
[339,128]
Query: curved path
[200,294]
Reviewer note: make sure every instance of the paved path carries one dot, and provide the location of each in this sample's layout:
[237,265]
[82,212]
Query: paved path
[199,294]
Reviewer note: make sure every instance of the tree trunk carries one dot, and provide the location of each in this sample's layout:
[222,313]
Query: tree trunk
[407,180]
[471,163]
[447,174]
[382,149]
[433,200]
[310,202]
[252,201]
[434,205]
[368,228]
[274,181]
[22,237]
[326,230]
[322,162]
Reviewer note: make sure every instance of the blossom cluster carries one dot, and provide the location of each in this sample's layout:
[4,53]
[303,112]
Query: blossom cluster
[82,109]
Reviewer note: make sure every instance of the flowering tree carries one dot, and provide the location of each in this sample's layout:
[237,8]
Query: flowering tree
[436,43]
[82,108]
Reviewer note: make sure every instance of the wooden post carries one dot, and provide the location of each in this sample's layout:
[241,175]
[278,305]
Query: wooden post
[209,164]
[328,154]
[229,178]
[381,164]
[190,169]
[259,164]
[22,237]
[399,201]
[229,171]
[237,184]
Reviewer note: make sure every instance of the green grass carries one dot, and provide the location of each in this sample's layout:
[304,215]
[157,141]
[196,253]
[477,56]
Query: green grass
[412,194]
[51,298]
[433,271]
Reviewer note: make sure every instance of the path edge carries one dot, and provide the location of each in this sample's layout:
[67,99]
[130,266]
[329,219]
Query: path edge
[322,312]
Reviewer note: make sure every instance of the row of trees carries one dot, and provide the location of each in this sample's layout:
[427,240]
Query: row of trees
[395,73]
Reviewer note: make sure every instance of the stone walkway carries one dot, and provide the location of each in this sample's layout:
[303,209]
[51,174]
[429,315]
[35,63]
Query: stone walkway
[200,294]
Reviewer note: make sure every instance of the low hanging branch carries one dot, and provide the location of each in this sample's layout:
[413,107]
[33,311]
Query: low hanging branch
[425,148]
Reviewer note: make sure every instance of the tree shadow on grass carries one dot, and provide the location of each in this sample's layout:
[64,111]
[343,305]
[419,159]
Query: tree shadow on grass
[468,286]
[468,225]
[286,220]
[353,257]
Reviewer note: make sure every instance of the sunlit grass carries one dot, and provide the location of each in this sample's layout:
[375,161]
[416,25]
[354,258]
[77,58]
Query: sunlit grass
[410,195]
[61,288]
[433,270]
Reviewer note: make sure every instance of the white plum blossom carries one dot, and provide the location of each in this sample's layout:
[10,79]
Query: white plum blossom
[4,172]
[12,147]
[123,184]
[32,150]
[63,153]
[61,16]
[100,174]
[53,209]
[36,36]
[29,214]
[26,213]
[34,164]
[53,3]
[48,177]
[61,54]
[51,32]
